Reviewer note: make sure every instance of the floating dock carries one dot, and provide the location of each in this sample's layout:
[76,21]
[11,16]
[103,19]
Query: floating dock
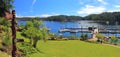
[86,30]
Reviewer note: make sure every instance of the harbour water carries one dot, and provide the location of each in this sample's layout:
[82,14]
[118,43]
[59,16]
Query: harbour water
[56,26]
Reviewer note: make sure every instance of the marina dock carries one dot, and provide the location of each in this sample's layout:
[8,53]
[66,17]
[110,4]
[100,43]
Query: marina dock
[86,30]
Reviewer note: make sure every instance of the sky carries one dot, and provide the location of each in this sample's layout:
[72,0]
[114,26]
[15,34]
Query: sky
[46,8]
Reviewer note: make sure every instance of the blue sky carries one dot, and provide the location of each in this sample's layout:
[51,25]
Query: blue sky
[45,8]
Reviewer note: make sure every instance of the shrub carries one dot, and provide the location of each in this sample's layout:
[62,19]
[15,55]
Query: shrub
[77,38]
[84,37]
[100,36]
[59,37]
[64,38]
[113,40]
[72,37]
[24,49]
[5,36]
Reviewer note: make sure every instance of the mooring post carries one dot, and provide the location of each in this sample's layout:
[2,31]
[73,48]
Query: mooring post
[13,35]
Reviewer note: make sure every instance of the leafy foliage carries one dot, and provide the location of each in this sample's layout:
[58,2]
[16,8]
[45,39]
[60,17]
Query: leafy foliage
[84,37]
[5,5]
[34,30]
[5,23]
[5,31]
[37,24]
[72,37]
[100,36]
[26,49]
[5,35]
[45,33]
[113,40]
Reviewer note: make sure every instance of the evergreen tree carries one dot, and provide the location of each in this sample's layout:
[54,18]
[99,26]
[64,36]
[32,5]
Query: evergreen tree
[5,6]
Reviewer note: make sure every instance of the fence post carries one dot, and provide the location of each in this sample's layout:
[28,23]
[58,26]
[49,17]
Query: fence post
[13,35]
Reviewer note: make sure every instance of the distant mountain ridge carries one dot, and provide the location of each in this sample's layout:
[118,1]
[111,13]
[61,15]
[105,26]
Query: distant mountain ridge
[105,16]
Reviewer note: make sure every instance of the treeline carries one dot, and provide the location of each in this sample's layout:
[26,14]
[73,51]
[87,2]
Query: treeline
[63,18]
[60,18]
[106,16]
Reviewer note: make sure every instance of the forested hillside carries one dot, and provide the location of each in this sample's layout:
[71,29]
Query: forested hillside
[106,16]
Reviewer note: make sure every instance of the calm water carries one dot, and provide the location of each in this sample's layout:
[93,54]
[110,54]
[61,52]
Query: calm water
[55,26]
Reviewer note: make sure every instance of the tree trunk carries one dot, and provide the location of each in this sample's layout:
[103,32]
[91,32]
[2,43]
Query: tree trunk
[35,43]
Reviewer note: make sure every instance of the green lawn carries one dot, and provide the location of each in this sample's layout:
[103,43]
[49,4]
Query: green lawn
[71,48]
[74,48]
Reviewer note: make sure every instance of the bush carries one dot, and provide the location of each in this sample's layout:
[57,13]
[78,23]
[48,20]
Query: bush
[100,36]
[64,38]
[72,37]
[78,38]
[84,37]
[113,40]
[59,37]
[7,41]
[24,49]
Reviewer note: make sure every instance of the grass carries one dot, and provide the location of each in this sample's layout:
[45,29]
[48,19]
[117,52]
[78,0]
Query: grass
[74,48]
[71,48]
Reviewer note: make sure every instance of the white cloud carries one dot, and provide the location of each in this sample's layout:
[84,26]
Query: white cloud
[42,15]
[89,9]
[117,6]
[45,15]
[48,15]
[114,10]
[20,16]
[102,1]
[34,1]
